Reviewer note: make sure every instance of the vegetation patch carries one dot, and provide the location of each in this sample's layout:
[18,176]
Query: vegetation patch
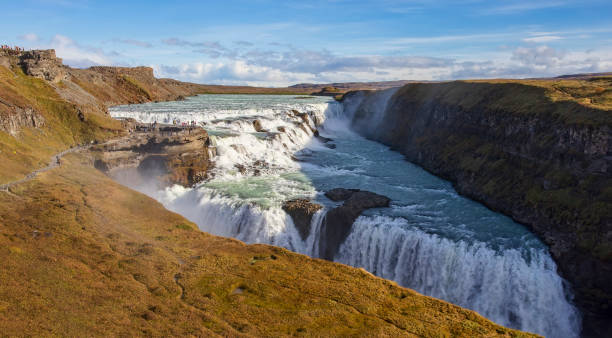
[104,271]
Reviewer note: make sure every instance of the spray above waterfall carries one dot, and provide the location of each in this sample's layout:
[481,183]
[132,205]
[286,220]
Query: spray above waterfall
[430,238]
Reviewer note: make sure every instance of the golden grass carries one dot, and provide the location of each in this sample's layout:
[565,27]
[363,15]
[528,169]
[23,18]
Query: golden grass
[582,105]
[84,256]
[33,147]
[595,92]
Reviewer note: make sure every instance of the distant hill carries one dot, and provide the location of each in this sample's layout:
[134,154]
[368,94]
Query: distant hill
[583,75]
[346,86]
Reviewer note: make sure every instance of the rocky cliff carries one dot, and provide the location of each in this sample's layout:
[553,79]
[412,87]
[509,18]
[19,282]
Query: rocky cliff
[165,154]
[43,64]
[524,149]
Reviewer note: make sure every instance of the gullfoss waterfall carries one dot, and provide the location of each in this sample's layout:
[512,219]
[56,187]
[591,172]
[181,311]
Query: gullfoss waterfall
[430,239]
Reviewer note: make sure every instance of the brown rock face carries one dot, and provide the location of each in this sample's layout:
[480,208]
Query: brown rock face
[42,64]
[340,194]
[301,211]
[339,221]
[18,117]
[171,155]
[257,126]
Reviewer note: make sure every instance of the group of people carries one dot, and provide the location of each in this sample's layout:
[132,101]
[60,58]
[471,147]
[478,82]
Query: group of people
[154,126]
[183,124]
[16,48]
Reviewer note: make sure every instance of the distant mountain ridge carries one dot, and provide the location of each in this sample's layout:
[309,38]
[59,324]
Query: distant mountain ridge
[353,85]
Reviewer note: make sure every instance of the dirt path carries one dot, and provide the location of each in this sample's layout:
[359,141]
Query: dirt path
[55,162]
[181,295]
[55,159]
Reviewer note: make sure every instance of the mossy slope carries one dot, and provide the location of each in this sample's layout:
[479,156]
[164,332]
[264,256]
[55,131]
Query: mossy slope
[84,256]
[32,146]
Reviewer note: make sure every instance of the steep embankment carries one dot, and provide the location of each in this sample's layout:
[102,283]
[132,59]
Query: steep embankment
[83,255]
[539,152]
[46,107]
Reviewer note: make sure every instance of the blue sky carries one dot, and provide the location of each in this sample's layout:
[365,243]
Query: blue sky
[277,43]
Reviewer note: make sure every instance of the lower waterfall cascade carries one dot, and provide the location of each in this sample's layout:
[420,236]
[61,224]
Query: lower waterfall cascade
[430,239]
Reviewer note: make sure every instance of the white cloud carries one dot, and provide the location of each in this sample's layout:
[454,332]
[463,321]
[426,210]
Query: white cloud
[30,37]
[447,38]
[279,69]
[232,73]
[538,56]
[76,55]
[514,7]
[240,63]
[543,38]
[134,42]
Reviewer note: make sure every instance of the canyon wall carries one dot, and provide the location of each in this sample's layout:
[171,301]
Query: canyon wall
[546,163]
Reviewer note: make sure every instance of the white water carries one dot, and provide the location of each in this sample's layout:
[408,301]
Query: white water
[503,286]
[430,239]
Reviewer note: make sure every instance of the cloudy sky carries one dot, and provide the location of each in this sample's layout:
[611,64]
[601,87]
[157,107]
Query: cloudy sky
[278,43]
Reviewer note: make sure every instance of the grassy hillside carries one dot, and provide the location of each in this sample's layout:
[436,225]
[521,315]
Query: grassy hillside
[589,91]
[62,128]
[84,256]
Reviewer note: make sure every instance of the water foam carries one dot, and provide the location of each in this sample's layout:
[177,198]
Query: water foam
[502,286]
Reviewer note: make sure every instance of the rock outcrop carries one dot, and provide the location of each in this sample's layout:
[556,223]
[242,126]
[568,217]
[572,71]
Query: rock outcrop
[339,221]
[301,212]
[340,194]
[546,163]
[43,64]
[169,154]
[17,118]
[258,127]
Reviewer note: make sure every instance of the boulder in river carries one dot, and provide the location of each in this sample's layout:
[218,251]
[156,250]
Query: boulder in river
[340,194]
[339,221]
[301,211]
[258,127]
[321,138]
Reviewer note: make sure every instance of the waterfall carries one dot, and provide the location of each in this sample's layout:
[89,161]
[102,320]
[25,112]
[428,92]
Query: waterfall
[230,217]
[513,290]
[255,172]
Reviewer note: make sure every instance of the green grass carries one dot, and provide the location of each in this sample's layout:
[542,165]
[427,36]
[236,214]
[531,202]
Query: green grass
[33,147]
[138,86]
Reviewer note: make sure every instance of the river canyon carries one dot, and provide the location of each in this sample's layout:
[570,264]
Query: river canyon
[268,149]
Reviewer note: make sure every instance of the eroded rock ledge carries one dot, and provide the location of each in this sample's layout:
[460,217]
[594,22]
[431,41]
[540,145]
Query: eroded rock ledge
[339,221]
[301,211]
[168,154]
